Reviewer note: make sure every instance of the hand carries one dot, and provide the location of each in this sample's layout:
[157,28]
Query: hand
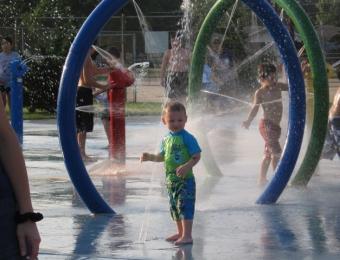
[145,157]
[246,124]
[29,239]
[182,170]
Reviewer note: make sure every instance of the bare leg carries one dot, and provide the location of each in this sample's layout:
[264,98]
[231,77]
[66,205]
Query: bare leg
[186,237]
[275,160]
[106,128]
[81,136]
[179,233]
[264,168]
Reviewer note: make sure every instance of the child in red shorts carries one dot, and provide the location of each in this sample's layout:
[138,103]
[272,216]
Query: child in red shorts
[270,99]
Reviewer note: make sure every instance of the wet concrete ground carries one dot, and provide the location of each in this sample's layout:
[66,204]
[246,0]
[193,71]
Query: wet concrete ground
[304,224]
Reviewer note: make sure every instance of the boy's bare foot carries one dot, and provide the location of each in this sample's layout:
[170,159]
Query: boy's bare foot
[184,241]
[173,238]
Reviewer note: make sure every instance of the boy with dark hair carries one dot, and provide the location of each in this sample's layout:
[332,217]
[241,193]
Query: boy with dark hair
[269,97]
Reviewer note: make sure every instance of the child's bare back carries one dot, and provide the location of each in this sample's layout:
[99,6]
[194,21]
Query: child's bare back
[270,99]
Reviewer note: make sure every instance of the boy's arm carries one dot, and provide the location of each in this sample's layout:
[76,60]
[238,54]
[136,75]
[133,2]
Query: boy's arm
[152,157]
[183,169]
[89,70]
[254,109]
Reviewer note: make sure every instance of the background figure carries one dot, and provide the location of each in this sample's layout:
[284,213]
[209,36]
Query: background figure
[209,85]
[332,142]
[269,97]
[126,77]
[6,56]
[15,238]
[174,71]
[86,85]
[221,66]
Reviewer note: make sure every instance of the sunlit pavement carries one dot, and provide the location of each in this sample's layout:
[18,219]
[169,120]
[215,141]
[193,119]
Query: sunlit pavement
[304,224]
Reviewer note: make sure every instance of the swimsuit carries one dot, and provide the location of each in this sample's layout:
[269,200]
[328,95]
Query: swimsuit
[271,134]
[84,120]
[177,149]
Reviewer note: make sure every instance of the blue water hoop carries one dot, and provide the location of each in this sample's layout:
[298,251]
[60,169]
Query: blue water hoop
[297,97]
[67,103]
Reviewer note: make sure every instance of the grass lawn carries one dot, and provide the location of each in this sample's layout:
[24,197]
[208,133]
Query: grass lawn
[143,109]
[132,109]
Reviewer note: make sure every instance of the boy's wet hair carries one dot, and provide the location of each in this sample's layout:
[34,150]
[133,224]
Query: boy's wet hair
[265,69]
[173,106]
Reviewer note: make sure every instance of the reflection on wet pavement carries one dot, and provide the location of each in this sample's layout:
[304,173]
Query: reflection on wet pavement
[304,224]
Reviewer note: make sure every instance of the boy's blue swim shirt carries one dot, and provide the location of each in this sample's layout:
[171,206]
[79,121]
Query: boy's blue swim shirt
[177,148]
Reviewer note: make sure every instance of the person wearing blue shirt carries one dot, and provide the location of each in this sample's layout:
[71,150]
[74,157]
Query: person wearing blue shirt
[180,153]
[6,56]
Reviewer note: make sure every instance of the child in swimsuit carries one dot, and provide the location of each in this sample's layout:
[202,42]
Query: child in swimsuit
[270,98]
[180,153]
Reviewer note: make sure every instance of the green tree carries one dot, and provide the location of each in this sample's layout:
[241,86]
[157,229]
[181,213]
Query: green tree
[50,27]
[329,11]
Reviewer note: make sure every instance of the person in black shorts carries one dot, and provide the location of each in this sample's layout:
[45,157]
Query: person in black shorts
[84,121]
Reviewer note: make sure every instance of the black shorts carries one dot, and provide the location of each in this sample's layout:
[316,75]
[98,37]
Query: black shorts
[177,84]
[8,239]
[4,89]
[84,120]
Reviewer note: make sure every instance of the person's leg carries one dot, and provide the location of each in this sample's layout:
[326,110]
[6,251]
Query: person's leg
[186,237]
[106,125]
[173,196]
[273,143]
[275,160]
[264,169]
[187,211]
[81,136]
[263,128]
[179,233]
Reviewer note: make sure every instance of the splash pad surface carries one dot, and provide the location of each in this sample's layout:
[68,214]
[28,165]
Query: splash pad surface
[228,224]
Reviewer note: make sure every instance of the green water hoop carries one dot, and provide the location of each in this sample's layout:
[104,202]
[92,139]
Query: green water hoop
[315,56]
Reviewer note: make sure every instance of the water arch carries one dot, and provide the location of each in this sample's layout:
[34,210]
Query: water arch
[67,103]
[268,16]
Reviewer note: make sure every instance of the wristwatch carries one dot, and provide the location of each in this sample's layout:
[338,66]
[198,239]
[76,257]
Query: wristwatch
[29,216]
